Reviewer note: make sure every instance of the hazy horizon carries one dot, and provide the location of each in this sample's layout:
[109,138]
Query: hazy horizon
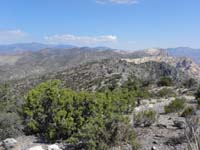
[97,46]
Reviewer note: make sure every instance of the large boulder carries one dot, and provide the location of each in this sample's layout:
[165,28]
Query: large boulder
[9,143]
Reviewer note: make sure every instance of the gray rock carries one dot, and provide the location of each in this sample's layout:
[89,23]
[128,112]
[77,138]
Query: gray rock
[126,147]
[9,143]
[197,112]
[161,125]
[155,142]
[180,124]
[36,148]
[153,148]
[123,147]
[53,147]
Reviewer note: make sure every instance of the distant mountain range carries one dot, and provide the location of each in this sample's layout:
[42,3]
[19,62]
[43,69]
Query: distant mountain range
[21,47]
[48,60]
[33,47]
[24,47]
[185,52]
[37,61]
[88,69]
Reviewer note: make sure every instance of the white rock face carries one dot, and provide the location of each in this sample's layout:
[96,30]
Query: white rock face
[9,143]
[36,148]
[184,64]
[53,147]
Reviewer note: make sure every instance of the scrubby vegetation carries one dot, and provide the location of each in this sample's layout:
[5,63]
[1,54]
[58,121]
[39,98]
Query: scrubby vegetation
[138,87]
[192,134]
[175,106]
[165,92]
[197,96]
[92,118]
[165,81]
[10,121]
[190,83]
[145,118]
[188,111]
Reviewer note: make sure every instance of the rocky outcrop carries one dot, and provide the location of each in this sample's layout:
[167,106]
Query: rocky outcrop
[53,147]
[36,148]
[184,64]
[9,143]
[28,143]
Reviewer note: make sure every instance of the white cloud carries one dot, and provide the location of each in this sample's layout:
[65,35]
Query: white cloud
[80,40]
[13,36]
[117,1]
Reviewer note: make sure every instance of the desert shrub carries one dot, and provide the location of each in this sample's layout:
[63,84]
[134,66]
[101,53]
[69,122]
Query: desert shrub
[165,81]
[10,125]
[10,121]
[197,96]
[145,118]
[137,86]
[165,92]
[190,83]
[175,106]
[188,111]
[143,93]
[123,100]
[132,84]
[197,93]
[150,117]
[89,119]
[198,102]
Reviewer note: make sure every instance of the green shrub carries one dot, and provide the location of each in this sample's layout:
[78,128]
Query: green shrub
[165,81]
[123,100]
[145,118]
[10,121]
[10,125]
[197,94]
[188,111]
[198,102]
[143,93]
[90,118]
[166,92]
[190,83]
[175,106]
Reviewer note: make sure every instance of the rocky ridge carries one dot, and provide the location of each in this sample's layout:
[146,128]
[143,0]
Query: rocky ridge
[182,63]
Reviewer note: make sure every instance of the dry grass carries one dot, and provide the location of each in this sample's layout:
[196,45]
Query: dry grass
[192,133]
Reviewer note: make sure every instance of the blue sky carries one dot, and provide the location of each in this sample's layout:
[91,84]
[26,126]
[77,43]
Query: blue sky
[123,24]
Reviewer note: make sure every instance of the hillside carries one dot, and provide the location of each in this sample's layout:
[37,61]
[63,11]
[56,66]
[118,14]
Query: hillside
[182,63]
[15,66]
[23,47]
[21,65]
[93,68]
[106,73]
[24,64]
